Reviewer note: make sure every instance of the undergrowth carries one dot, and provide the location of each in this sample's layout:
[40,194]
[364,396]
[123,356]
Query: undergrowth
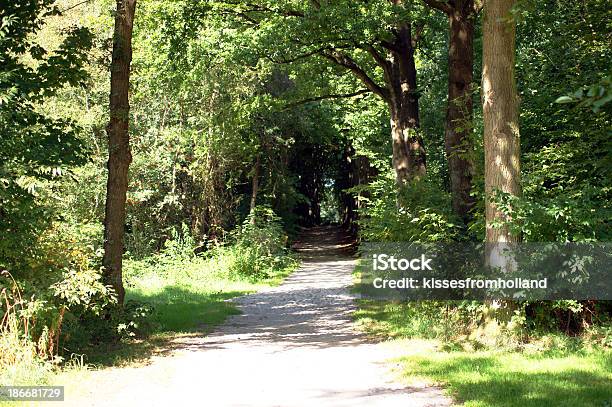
[181,290]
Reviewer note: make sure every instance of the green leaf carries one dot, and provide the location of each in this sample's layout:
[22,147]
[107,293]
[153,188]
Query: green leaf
[564,99]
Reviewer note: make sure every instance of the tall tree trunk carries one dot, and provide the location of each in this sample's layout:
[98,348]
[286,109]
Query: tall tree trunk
[502,149]
[500,110]
[255,187]
[119,155]
[458,144]
[459,112]
[409,158]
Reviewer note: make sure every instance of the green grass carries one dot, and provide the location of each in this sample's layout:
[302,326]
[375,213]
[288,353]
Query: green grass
[418,319]
[493,378]
[189,297]
[552,370]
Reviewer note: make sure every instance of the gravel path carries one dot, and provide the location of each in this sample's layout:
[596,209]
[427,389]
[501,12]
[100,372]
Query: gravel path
[293,345]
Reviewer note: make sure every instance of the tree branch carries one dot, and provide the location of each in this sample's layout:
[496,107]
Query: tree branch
[324,97]
[75,6]
[296,58]
[378,58]
[439,5]
[243,15]
[347,62]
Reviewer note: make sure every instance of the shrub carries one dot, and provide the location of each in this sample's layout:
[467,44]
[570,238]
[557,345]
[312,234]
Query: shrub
[566,194]
[52,289]
[20,358]
[421,213]
[87,330]
[260,246]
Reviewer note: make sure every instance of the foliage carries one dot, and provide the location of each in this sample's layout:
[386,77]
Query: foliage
[565,196]
[566,147]
[61,286]
[35,149]
[261,245]
[423,215]
[595,96]
[31,326]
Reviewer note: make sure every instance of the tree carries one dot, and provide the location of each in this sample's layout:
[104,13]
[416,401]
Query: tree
[36,148]
[375,44]
[459,112]
[255,186]
[500,112]
[119,155]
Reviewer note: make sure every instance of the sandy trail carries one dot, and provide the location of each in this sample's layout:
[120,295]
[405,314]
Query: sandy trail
[293,345]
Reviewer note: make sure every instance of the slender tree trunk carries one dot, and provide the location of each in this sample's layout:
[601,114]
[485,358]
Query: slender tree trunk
[255,187]
[458,144]
[119,155]
[409,158]
[500,110]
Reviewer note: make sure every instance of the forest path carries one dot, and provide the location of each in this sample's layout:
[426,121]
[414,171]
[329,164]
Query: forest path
[292,345]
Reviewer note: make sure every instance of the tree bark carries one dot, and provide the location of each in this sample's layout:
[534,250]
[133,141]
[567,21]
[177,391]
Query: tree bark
[409,158]
[500,111]
[459,112]
[255,187]
[502,147]
[119,155]
[458,144]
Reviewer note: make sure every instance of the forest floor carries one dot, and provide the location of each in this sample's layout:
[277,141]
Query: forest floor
[291,345]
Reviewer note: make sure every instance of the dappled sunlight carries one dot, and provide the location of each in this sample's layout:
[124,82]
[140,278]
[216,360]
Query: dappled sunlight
[488,377]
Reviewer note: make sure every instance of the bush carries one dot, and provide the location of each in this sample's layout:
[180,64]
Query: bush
[424,214]
[53,288]
[260,247]
[256,250]
[87,330]
[566,194]
[22,360]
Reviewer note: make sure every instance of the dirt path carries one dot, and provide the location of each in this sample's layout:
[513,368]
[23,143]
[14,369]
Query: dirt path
[293,345]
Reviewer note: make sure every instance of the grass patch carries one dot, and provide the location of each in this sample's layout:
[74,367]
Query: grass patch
[549,370]
[490,378]
[420,319]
